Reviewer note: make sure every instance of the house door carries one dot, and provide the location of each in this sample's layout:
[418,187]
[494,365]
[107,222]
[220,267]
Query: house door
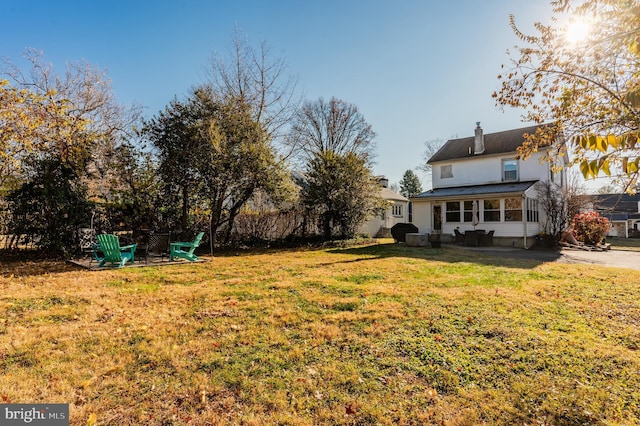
[437,218]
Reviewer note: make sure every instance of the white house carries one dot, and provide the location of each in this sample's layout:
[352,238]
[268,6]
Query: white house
[622,210]
[397,211]
[485,169]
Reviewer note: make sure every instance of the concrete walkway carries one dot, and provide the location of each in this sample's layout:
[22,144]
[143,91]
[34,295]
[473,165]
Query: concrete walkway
[614,258]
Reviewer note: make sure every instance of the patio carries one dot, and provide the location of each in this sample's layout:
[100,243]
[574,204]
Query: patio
[87,263]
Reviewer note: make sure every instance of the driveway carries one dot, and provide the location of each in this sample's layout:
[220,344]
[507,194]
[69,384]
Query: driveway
[614,258]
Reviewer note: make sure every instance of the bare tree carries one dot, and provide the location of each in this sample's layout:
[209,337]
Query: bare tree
[335,144]
[335,126]
[83,122]
[560,204]
[258,79]
[430,148]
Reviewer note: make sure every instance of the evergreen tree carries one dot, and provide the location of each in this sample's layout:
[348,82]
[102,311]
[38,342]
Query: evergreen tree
[410,184]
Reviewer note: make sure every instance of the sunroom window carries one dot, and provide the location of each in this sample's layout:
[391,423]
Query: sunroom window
[453,211]
[513,209]
[468,211]
[492,210]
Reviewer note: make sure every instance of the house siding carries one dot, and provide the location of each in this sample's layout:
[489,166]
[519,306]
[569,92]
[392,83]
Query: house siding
[422,216]
[476,169]
[385,221]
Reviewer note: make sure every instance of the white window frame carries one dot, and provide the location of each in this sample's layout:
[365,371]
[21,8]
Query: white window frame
[506,162]
[446,172]
[507,210]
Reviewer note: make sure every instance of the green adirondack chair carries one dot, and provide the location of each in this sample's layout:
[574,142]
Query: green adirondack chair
[112,251]
[185,250]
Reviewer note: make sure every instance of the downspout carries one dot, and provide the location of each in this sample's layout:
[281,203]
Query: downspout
[524,220]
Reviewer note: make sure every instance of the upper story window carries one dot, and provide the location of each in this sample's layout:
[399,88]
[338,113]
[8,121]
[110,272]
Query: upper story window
[396,209]
[509,170]
[446,171]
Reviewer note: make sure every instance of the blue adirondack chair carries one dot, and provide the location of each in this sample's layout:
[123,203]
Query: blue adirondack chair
[112,251]
[185,250]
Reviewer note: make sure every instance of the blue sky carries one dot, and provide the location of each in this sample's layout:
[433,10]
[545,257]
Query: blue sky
[418,70]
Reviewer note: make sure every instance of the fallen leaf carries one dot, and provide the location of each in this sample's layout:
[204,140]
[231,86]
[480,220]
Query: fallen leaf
[350,409]
[92,420]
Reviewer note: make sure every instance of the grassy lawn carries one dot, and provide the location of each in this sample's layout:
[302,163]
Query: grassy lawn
[380,334]
[629,244]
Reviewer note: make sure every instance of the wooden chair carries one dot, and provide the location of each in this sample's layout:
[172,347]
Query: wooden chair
[185,250]
[112,251]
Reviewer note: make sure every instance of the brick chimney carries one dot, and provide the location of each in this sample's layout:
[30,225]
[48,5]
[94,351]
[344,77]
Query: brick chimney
[478,143]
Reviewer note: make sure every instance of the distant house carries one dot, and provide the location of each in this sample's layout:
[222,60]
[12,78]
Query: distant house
[397,211]
[485,169]
[623,212]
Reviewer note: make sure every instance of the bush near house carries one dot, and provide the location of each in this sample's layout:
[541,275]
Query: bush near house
[590,228]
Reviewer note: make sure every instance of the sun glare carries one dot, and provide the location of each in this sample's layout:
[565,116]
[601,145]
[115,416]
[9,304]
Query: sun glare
[578,31]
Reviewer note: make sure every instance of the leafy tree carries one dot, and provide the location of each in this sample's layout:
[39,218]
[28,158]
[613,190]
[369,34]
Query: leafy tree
[135,190]
[342,191]
[174,135]
[335,126]
[410,184]
[238,161]
[73,117]
[216,155]
[49,208]
[588,90]
[335,143]
[72,120]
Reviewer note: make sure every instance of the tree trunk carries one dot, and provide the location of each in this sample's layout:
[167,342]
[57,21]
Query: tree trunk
[327,226]
[185,208]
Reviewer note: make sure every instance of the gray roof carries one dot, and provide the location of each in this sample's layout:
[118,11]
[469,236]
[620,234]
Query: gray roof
[476,190]
[617,202]
[494,143]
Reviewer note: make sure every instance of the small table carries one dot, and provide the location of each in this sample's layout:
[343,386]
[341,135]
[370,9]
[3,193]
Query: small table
[474,238]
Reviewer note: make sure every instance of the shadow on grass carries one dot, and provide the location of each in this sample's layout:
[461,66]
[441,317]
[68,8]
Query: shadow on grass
[512,258]
[24,263]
